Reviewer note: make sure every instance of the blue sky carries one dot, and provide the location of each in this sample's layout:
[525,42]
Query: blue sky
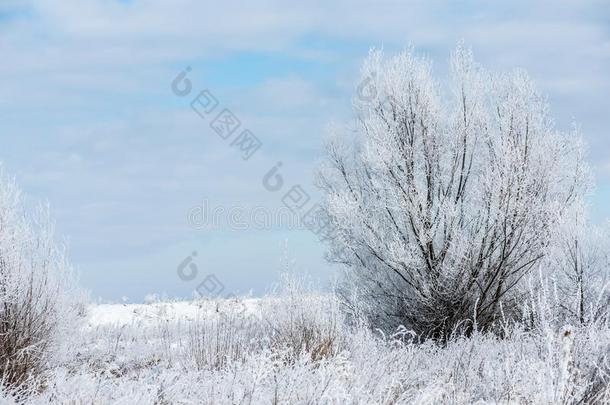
[89,122]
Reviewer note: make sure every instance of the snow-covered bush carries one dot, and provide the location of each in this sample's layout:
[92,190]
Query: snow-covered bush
[38,298]
[446,199]
[291,324]
[581,260]
[214,342]
[301,321]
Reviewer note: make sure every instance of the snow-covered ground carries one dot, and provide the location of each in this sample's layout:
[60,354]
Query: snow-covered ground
[296,349]
[140,314]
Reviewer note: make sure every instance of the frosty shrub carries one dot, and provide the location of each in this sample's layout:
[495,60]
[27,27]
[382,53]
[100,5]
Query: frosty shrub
[214,342]
[581,258]
[302,322]
[442,199]
[36,287]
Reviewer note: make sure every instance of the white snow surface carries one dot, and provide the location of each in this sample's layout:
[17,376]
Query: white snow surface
[126,314]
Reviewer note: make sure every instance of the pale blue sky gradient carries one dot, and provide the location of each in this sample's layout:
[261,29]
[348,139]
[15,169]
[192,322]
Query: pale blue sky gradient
[89,123]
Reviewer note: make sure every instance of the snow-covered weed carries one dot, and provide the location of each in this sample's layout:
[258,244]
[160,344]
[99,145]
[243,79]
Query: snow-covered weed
[214,352]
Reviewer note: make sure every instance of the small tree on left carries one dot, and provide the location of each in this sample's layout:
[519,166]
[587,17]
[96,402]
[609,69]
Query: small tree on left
[39,297]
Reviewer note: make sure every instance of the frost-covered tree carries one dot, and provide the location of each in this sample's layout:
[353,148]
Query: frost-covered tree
[442,198]
[38,295]
[581,258]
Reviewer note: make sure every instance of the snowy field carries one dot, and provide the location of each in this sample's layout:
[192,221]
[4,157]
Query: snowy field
[294,348]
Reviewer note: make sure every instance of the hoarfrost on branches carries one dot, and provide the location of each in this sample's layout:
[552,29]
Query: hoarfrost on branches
[446,198]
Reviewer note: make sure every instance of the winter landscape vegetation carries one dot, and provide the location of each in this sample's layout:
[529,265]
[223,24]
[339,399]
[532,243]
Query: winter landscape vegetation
[321,202]
[470,272]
